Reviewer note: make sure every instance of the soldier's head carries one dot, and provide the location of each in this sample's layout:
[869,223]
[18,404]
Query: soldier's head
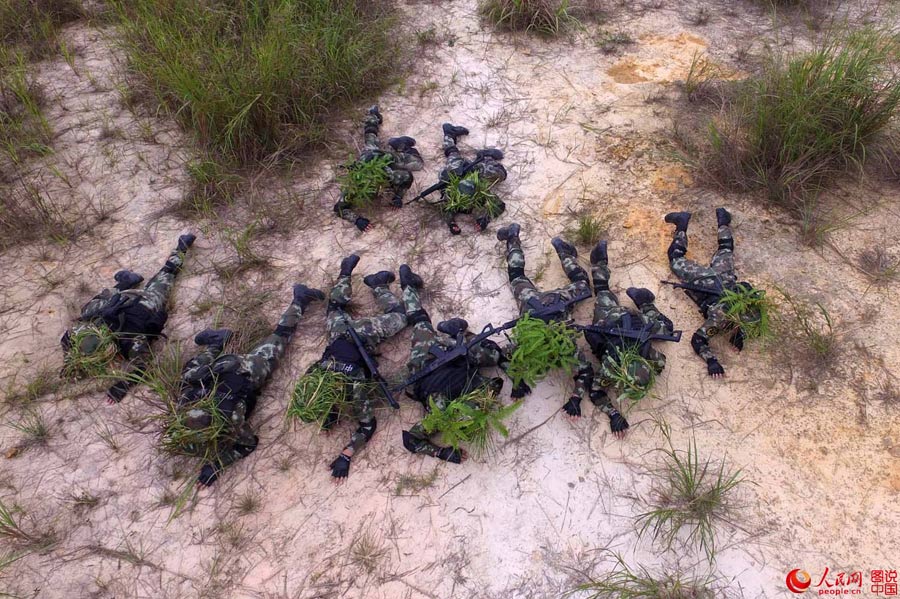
[466,187]
[89,344]
[639,372]
[197,419]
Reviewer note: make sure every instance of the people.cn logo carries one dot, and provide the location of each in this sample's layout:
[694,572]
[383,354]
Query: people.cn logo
[798,580]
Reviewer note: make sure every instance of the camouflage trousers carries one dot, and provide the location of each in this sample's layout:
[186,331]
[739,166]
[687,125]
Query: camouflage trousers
[524,291]
[608,313]
[488,169]
[372,331]
[721,267]
[256,366]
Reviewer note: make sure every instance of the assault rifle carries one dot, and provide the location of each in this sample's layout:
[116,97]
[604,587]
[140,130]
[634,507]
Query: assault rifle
[714,291]
[639,335]
[462,347]
[370,363]
[441,185]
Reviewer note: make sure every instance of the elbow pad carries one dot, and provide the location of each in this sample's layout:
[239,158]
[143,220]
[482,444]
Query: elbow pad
[368,429]
[698,341]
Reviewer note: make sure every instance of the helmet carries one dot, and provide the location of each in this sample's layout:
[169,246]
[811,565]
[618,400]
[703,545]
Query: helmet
[466,187]
[197,419]
[639,373]
[88,344]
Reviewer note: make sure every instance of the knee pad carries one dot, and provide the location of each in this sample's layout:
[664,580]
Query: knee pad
[726,244]
[367,429]
[246,450]
[601,285]
[418,316]
[171,267]
[676,250]
[283,331]
[409,442]
[515,272]
[579,275]
[333,305]
[402,178]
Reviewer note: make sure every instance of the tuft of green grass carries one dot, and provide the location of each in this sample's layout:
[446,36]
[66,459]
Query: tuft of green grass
[33,25]
[750,310]
[14,534]
[470,420]
[91,353]
[813,326]
[483,200]
[316,394]
[539,348]
[690,494]
[260,78]
[413,483]
[363,181]
[45,382]
[33,427]
[248,503]
[588,229]
[620,372]
[543,17]
[368,551]
[624,582]
[808,120]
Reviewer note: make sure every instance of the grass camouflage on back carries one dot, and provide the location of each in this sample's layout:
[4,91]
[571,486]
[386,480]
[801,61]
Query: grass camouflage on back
[540,348]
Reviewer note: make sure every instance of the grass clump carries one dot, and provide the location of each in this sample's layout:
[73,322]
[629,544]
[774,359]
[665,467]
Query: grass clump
[470,420]
[802,123]
[34,24]
[184,434]
[316,394]
[539,348]
[483,199]
[33,427]
[588,229]
[624,582]
[544,17]
[261,77]
[690,493]
[92,351]
[813,326]
[364,180]
[749,309]
[629,373]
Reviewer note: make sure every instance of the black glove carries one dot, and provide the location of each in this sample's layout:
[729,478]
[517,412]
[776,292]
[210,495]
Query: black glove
[448,454]
[208,475]
[361,223]
[340,467]
[737,339]
[573,406]
[482,223]
[520,390]
[617,422]
[118,391]
[397,202]
[714,368]
[185,242]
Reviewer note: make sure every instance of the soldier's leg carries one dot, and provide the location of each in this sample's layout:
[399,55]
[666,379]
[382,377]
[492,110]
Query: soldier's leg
[417,440]
[371,125]
[568,257]
[491,170]
[339,297]
[455,161]
[400,182]
[522,287]
[156,292]
[723,260]
[375,329]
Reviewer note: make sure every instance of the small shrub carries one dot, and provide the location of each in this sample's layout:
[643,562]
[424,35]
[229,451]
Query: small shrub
[692,494]
[92,352]
[470,420]
[748,309]
[316,394]
[623,582]
[813,326]
[33,427]
[544,17]
[367,551]
[539,348]
[414,483]
[482,200]
[258,79]
[363,181]
[588,229]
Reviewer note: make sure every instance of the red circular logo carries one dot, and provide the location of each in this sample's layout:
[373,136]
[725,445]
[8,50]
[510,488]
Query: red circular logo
[797,580]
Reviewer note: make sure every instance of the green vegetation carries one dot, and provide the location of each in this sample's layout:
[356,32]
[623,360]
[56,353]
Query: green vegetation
[482,200]
[622,372]
[623,582]
[33,427]
[92,351]
[750,310]
[540,348]
[188,433]
[470,420]
[802,123]
[691,494]
[589,229]
[260,78]
[316,394]
[363,181]
[813,326]
[33,24]
[544,17]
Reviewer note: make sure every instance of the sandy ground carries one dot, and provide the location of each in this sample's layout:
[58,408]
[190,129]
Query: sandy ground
[583,130]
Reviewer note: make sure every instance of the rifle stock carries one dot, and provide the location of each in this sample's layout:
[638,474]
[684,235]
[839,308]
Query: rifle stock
[440,185]
[370,364]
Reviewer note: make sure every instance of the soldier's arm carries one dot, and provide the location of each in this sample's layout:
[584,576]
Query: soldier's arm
[96,304]
[617,423]
[133,369]
[700,341]
[488,213]
[244,443]
[343,210]
[520,390]
[197,369]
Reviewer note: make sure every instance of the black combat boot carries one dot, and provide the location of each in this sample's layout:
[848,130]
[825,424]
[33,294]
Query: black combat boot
[489,153]
[304,295]
[454,131]
[723,217]
[403,143]
[348,264]
[598,254]
[213,337]
[409,278]
[453,327]
[640,296]
[379,279]
[563,247]
[509,232]
[679,219]
[185,241]
[125,279]
[374,111]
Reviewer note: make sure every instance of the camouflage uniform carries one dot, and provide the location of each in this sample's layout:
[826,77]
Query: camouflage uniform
[489,169]
[341,354]
[136,316]
[455,379]
[529,297]
[236,381]
[609,314]
[717,276]
[400,172]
